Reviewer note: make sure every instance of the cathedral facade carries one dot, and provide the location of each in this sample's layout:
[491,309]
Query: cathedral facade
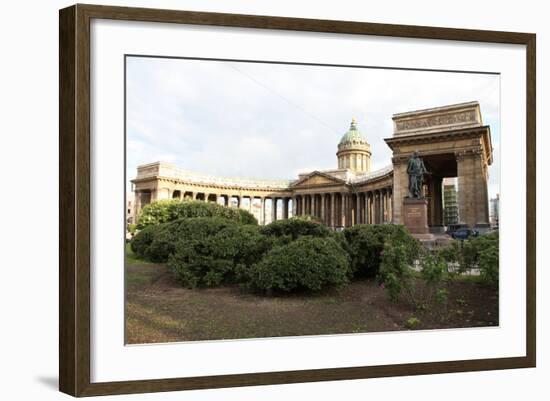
[452,141]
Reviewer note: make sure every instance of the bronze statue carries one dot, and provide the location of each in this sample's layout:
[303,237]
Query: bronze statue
[416,171]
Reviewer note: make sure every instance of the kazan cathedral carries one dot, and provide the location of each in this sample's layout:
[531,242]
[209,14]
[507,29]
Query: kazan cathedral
[452,141]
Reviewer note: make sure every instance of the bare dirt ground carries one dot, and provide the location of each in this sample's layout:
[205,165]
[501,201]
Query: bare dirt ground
[158,309]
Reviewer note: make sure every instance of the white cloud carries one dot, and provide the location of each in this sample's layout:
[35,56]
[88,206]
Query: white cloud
[272,120]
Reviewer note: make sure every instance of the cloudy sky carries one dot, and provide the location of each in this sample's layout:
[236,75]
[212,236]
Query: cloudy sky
[260,120]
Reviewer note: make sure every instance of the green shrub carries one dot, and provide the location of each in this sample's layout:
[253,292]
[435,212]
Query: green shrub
[433,273]
[365,244]
[432,268]
[488,261]
[155,213]
[142,241]
[296,227]
[442,296]
[165,211]
[307,263]
[412,323]
[476,253]
[395,269]
[164,242]
[206,252]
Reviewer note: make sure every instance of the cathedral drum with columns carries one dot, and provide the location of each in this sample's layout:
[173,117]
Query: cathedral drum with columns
[452,141]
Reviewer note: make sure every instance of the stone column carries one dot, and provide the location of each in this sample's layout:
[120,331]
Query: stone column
[262,210]
[294,208]
[343,211]
[332,209]
[373,207]
[273,209]
[472,189]
[438,201]
[345,208]
[390,194]
[137,204]
[349,215]
[343,214]
[367,208]
[358,207]
[381,195]
[372,211]
[303,208]
[376,207]
[400,189]
[385,206]
[381,206]
[377,203]
[367,214]
[356,204]
[363,208]
[322,211]
[351,212]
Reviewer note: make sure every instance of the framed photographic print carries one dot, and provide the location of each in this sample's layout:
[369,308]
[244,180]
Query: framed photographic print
[250,200]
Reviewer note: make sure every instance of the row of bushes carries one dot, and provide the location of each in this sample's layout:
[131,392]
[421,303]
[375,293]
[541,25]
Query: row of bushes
[286,255]
[208,247]
[477,253]
[438,267]
[169,210]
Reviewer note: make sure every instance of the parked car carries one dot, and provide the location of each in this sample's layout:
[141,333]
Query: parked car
[464,233]
[451,228]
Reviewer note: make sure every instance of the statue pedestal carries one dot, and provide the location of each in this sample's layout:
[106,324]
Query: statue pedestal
[415,215]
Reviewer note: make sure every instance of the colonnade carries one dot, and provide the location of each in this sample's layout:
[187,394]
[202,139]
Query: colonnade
[335,209]
[282,209]
[341,209]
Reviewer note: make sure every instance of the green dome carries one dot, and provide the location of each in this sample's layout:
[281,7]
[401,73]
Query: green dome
[353,136]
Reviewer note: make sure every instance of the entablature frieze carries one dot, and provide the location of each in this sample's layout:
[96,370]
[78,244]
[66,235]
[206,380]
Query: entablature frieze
[445,136]
[460,152]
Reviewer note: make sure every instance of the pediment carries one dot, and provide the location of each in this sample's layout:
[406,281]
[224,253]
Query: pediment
[316,179]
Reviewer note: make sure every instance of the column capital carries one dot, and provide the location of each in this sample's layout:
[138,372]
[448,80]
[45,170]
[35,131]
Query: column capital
[402,159]
[466,153]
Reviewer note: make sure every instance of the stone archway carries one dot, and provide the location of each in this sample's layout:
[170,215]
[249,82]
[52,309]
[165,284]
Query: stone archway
[453,142]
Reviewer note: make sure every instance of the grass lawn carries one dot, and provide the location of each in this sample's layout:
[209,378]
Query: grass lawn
[158,309]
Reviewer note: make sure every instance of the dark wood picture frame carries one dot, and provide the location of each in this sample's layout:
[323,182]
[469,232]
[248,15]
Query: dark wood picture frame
[74,199]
